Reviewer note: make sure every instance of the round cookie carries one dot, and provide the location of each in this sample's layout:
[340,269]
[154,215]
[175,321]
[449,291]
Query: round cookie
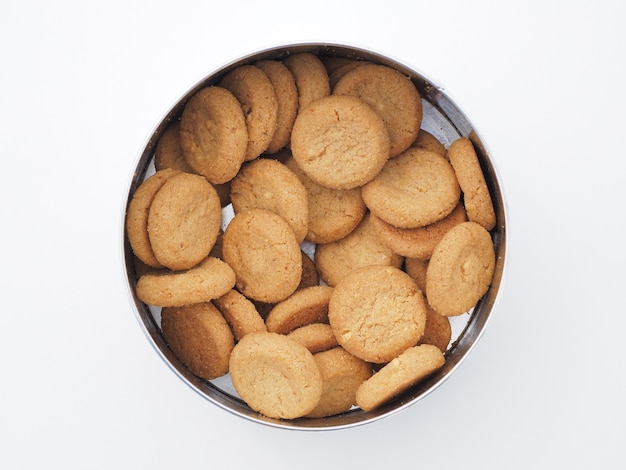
[416,268]
[137,216]
[342,374]
[460,269]
[263,251]
[410,367]
[209,280]
[377,312]
[303,307]
[316,337]
[240,314]
[184,220]
[339,72]
[392,95]
[413,189]
[311,77]
[310,277]
[286,92]
[438,331]
[275,375]
[268,184]
[417,242]
[333,213]
[213,134]
[254,90]
[476,197]
[168,152]
[428,141]
[200,337]
[340,142]
[360,248]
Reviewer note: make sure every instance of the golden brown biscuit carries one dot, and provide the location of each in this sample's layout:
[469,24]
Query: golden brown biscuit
[286,92]
[333,213]
[417,242]
[263,251]
[168,152]
[184,220]
[316,337]
[311,77]
[392,95]
[342,374]
[377,312]
[360,248]
[275,375]
[303,307]
[200,337]
[137,216]
[416,268]
[213,134]
[340,142]
[268,184]
[410,367]
[460,270]
[438,331]
[339,72]
[209,280]
[413,189]
[428,141]
[240,314]
[476,197]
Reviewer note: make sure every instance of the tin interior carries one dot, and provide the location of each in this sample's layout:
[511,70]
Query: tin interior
[442,118]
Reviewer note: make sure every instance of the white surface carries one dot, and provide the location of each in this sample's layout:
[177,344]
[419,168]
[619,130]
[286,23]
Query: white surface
[83,83]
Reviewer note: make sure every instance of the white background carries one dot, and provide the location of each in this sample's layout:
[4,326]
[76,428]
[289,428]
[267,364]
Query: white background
[84,83]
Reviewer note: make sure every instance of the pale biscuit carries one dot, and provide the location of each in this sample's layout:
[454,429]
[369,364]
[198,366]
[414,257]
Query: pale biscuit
[209,280]
[263,251]
[311,77]
[184,220]
[392,95]
[168,152]
[377,312]
[333,213]
[275,375]
[409,368]
[416,268]
[461,269]
[438,331]
[200,337]
[137,216]
[268,184]
[240,314]
[316,337]
[303,307]
[213,134]
[476,197]
[340,142]
[342,374]
[413,189]
[360,248]
[428,141]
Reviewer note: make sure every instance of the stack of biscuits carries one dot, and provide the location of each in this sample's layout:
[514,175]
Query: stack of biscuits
[354,235]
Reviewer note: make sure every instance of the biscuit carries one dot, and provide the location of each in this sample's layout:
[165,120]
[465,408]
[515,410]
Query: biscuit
[342,374]
[438,331]
[310,276]
[311,77]
[476,197]
[168,152]
[209,280]
[410,367]
[340,142]
[240,314]
[339,72]
[333,213]
[262,249]
[360,248]
[377,312]
[417,242]
[213,134]
[392,95]
[303,307]
[200,337]
[275,375]
[268,184]
[286,92]
[416,268]
[137,216]
[428,141]
[413,189]
[254,90]
[184,220]
[316,337]
[460,269]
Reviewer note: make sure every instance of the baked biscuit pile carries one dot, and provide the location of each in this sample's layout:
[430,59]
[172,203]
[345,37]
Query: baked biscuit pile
[317,155]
